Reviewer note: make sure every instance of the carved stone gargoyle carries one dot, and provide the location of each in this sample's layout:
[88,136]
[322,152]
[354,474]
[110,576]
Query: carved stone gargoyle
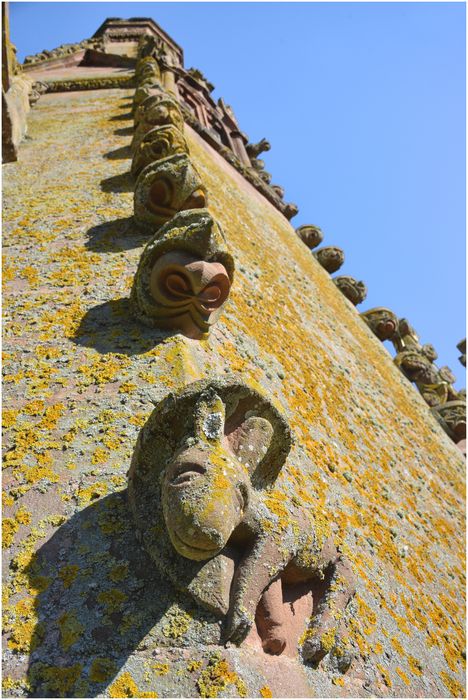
[166,187]
[312,236]
[147,89]
[416,361]
[147,67]
[382,322]
[184,275]
[160,142]
[201,475]
[355,291]
[164,111]
[330,258]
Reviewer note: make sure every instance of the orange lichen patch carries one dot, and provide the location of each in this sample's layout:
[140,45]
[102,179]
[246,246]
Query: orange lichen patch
[402,675]
[385,675]
[125,687]
[68,574]
[100,456]
[113,599]
[102,669]
[91,493]
[59,680]
[216,677]
[71,630]
[265,692]
[455,688]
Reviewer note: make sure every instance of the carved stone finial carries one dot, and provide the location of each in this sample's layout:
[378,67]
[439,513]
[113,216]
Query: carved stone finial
[160,142]
[354,290]
[279,190]
[382,322]
[311,235]
[254,149]
[462,347]
[330,258]
[184,275]
[201,471]
[166,187]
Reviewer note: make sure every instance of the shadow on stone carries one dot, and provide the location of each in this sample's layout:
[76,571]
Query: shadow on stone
[111,327]
[125,131]
[123,182]
[119,153]
[121,117]
[101,596]
[115,236]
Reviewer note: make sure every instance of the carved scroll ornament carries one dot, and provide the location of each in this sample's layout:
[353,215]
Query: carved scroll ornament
[184,275]
[200,474]
[166,187]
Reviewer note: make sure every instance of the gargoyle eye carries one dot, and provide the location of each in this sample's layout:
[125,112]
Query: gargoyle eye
[185,473]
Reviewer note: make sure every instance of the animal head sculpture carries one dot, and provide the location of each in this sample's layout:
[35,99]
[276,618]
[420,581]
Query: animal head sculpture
[382,322]
[355,291]
[330,258]
[312,236]
[166,187]
[452,417]
[163,112]
[160,142]
[198,459]
[184,275]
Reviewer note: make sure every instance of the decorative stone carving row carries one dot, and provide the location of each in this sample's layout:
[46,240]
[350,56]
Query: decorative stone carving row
[185,272]
[60,52]
[331,258]
[202,467]
[114,82]
[417,363]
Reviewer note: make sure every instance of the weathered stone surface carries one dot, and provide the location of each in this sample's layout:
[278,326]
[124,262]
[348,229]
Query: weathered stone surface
[87,613]
[15,106]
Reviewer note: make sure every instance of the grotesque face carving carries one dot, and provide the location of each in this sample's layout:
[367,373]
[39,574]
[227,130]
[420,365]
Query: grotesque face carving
[184,276]
[312,236]
[160,142]
[382,322]
[202,458]
[149,88]
[330,258]
[166,187]
[159,112]
[189,292]
[353,290]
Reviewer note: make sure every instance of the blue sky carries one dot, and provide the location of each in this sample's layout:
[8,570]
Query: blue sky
[364,105]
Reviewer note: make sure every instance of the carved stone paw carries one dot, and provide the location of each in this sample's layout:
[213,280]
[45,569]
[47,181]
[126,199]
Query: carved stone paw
[238,626]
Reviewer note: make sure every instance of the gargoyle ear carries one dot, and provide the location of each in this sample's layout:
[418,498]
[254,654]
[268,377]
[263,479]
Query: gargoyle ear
[250,441]
[210,416]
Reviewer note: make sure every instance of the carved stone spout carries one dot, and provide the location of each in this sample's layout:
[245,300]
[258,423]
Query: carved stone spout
[166,187]
[199,483]
[184,275]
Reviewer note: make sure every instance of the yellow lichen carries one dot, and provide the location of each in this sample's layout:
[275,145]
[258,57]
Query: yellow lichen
[102,669]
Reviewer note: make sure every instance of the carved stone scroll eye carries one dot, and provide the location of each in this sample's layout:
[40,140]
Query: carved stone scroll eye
[166,187]
[184,276]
